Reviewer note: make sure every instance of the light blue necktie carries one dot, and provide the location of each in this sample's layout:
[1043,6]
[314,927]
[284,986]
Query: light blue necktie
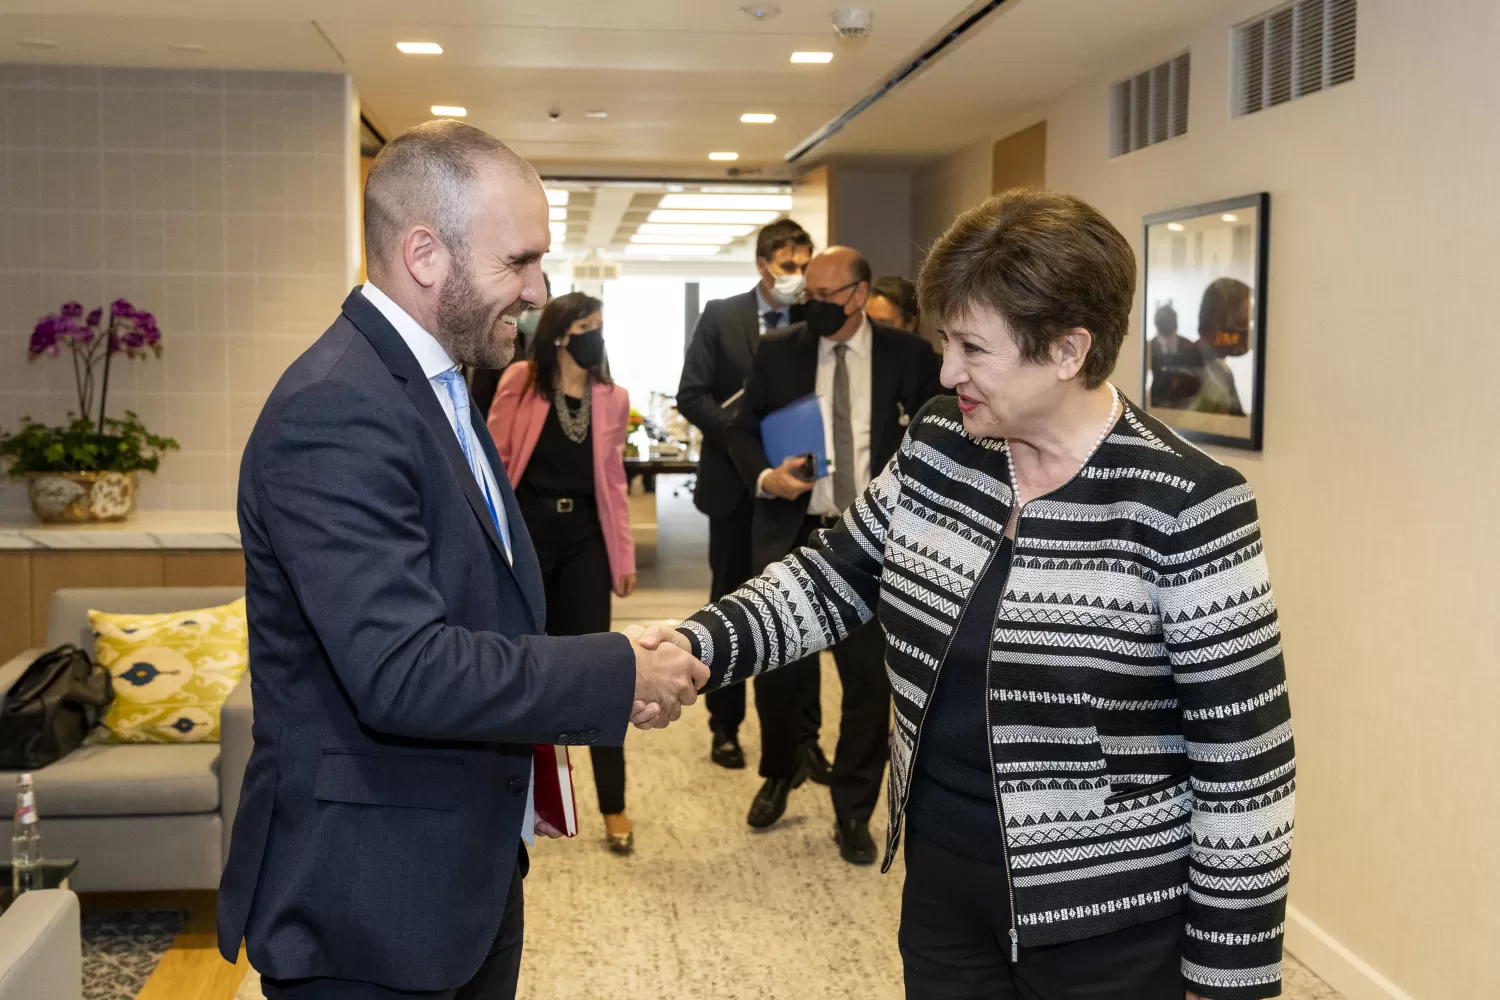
[458,395]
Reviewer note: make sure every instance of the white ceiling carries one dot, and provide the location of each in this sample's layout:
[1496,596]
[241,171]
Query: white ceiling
[674,75]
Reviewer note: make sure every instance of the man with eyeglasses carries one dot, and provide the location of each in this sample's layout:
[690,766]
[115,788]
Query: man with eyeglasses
[870,381]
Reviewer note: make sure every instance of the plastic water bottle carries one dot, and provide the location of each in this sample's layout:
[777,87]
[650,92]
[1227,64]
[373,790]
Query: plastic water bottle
[26,834]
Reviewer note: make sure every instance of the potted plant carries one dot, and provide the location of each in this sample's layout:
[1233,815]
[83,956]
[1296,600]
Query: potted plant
[86,469]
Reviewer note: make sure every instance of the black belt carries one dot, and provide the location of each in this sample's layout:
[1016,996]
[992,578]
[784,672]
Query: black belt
[559,505]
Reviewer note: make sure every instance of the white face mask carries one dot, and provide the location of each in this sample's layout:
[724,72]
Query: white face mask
[789,288]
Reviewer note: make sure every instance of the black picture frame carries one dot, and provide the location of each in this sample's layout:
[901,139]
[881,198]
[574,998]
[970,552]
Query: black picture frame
[1219,417]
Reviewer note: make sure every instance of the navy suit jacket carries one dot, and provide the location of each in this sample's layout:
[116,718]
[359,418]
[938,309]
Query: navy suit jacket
[399,678]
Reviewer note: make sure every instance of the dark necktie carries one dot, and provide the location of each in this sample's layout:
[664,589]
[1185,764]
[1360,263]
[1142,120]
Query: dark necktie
[772,319]
[843,432]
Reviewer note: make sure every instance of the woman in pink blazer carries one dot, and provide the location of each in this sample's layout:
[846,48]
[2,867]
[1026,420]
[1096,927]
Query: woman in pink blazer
[559,424]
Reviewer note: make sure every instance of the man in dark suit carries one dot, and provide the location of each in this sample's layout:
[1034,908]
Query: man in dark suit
[399,673]
[870,380]
[713,372]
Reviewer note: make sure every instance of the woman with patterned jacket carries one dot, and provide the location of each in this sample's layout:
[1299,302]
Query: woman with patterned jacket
[1093,748]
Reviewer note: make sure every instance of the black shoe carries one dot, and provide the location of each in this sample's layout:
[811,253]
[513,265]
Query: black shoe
[818,768]
[853,838]
[769,802]
[726,752]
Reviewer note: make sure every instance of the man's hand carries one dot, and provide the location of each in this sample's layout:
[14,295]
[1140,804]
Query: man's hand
[667,677]
[548,830]
[784,480]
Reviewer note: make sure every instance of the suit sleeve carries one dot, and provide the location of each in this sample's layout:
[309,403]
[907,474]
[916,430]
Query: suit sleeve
[695,399]
[742,438]
[340,492]
[1224,643]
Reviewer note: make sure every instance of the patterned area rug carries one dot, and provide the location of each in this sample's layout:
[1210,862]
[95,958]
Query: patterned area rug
[121,949]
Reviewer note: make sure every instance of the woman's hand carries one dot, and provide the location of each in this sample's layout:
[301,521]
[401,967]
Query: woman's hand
[627,585]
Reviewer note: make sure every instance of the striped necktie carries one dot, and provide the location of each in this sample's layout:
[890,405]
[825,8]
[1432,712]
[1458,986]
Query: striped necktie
[458,394]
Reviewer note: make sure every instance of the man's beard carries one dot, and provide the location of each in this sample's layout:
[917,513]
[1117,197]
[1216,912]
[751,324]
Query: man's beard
[470,328]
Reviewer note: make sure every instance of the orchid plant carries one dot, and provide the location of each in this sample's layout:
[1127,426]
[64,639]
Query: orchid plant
[89,443]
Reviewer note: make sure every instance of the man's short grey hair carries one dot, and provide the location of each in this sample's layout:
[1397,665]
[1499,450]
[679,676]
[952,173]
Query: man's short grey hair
[426,176]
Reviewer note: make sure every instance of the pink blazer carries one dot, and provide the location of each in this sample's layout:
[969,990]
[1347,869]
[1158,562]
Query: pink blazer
[515,422]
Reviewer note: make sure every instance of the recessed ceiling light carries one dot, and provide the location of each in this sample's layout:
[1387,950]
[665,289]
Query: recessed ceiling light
[1230,217]
[778,202]
[812,57]
[420,48]
[193,48]
[449,111]
[723,156]
[596,114]
[670,250]
[1176,227]
[38,43]
[557,196]
[740,218]
[681,240]
[557,213]
[752,118]
[760,11]
[687,229]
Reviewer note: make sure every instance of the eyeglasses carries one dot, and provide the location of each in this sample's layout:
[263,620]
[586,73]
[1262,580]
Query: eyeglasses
[828,296]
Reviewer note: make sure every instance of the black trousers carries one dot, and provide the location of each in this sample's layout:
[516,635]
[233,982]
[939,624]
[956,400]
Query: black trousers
[782,696]
[576,577]
[955,942]
[495,980]
[729,562]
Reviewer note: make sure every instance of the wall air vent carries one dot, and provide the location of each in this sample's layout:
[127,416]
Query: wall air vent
[1150,107]
[1293,51]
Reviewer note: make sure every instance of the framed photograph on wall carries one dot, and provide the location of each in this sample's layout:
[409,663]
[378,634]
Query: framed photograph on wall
[1205,322]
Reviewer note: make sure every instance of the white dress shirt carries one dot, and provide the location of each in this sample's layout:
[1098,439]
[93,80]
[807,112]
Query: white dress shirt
[434,361]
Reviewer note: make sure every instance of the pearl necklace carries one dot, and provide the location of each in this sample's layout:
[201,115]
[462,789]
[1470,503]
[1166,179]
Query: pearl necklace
[1116,407]
[1109,424]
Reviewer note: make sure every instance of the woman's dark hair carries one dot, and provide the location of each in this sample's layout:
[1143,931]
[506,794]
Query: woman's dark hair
[1046,263]
[900,293]
[1223,300]
[559,314]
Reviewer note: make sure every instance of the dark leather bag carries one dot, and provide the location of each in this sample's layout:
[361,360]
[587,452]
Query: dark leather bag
[47,713]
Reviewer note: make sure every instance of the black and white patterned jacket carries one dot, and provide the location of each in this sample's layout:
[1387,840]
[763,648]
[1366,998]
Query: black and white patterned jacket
[1141,731]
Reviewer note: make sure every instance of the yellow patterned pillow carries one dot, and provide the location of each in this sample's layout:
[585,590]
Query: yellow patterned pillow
[172,672]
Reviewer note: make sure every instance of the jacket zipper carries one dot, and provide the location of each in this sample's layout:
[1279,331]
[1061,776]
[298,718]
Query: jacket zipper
[989,742]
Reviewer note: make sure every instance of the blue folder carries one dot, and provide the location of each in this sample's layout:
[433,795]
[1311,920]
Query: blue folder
[795,429]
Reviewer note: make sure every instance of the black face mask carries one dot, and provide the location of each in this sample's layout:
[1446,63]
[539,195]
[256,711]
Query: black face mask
[587,348]
[824,319]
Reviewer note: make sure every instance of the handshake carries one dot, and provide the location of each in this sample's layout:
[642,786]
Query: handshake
[667,675]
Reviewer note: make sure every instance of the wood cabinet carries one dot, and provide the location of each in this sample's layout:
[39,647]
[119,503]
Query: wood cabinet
[28,578]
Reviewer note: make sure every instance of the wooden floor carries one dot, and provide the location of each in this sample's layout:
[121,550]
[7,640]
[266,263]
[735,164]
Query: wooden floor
[193,969]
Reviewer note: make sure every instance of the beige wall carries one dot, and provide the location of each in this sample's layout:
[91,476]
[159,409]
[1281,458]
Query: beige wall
[872,213]
[941,190]
[217,200]
[1379,474]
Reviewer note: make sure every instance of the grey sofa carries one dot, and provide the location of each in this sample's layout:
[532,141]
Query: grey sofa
[140,817]
[41,956]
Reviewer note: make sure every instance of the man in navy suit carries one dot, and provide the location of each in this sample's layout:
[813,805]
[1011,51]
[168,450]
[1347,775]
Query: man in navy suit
[399,673]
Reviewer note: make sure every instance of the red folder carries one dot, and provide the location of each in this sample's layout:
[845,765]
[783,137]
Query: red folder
[554,788]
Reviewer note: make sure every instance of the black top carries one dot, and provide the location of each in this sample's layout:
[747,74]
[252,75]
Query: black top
[953,792]
[558,467]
